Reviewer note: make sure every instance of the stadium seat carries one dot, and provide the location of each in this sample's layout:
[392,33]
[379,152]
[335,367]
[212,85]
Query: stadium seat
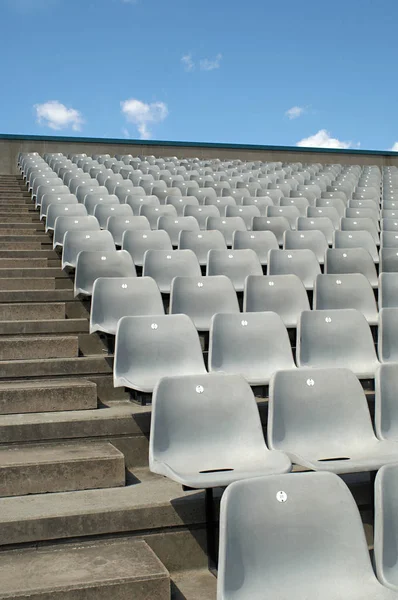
[103,212]
[328,212]
[180,202]
[72,223]
[174,226]
[351,260]
[186,444]
[302,263]
[153,213]
[235,264]
[138,242]
[91,265]
[361,224]
[386,406]
[136,201]
[323,224]
[261,203]
[282,294]
[114,298]
[370,213]
[336,203]
[164,265]
[227,226]
[271,543]
[58,210]
[278,226]
[291,213]
[245,212]
[77,241]
[254,345]
[334,339]
[149,348]
[356,239]
[389,239]
[202,297]
[388,290]
[385,527]
[87,188]
[351,290]
[55,199]
[92,200]
[389,260]
[389,225]
[307,240]
[259,241]
[388,335]
[200,243]
[117,225]
[300,203]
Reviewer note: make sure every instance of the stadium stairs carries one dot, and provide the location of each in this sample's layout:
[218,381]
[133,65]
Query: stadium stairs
[81,516]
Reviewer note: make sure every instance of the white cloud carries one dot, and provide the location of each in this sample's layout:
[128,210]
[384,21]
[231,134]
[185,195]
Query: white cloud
[394,147]
[323,139]
[126,133]
[141,114]
[207,64]
[188,63]
[57,116]
[295,112]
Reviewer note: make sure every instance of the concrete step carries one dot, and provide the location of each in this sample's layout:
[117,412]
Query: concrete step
[198,584]
[7,217]
[23,263]
[34,273]
[16,225]
[47,396]
[121,569]
[59,468]
[81,366]
[25,348]
[24,246]
[62,423]
[151,504]
[58,326]
[47,283]
[36,296]
[47,253]
[20,208]
[29,237]
[32,311]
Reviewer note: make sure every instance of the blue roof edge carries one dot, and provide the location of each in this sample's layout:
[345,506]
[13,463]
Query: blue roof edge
[173,144]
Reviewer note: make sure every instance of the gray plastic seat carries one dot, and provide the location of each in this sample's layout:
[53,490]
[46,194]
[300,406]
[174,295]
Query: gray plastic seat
[300,203]
[235,264]
[201,242]
[388,335]
[72,223]
[254,345]
[180,202]
[259,241]
[87,188]
[91,265]
[389,260]
[118,224]
[302,263]
[389,239]
[58,210]
[389,213]
[138,242]
[271,543]
[261,202]
[49,188]
[77,241]
[104,211]
[386,405]
[389,224]
[307,240]
[220,202]
[227,226]
[282,294]
[351,290]
[323,224]
[356,239]
[291,213]
[278,226]
[114,298]
[55,199]
[245,212]
[336,339]
[337,203]
[388,290]
[371,213]
[149,348]
[153,213]
[78,181]
[200,213]
[136,201]
[385,531]
[175,225]
[329,212]
[164,265]
[351,260]
[202,297]
[321,419]
[361,224]
[185,443]
[92,200]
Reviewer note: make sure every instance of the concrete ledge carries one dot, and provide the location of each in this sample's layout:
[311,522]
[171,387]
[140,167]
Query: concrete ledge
[12,262]
[23,348]
[44,327]
[45,283]
[32,311]
[36,296]
[22,397]
[34,273]
[59,468]
[90,365]
[32,254]
[119,570]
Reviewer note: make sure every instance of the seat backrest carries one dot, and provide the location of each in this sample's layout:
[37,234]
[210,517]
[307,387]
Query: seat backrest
[72,223]
[326,211]
[174,225]
[103,211]
[388,335]
[77,241]
[91,265]
[302,263]
[351,290]
[235,264]
[164,265]
[351,260]
[259,241]
[360,224]
[335,338]
[310,240]
[201,242]
[262,546]
[386,525]
[117,297]
[388,290]
[227,226]
[386,406]
[138,242]
[93,199]
[117,225]
[153,213]
[282,294]
[58,210]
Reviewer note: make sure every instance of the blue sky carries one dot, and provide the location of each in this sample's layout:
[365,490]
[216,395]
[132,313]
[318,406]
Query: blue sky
[212,71]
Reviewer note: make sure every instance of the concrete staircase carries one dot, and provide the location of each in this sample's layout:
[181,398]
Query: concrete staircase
[80,514]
